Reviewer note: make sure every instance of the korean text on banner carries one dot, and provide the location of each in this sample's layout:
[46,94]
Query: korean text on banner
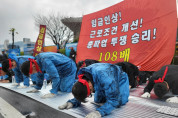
[142,32]
[40,40]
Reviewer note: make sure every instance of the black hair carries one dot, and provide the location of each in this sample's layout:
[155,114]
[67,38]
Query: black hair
[25,68]
[79,64]
[160,89]
[122,65]
[79,90]
[87,62]
[5,65]
[90,62]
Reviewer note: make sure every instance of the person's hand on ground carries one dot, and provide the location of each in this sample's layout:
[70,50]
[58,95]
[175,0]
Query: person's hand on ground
[67,105]
[15,84]
[49,95]
[94,114]
[172,100]
[32,85]
[22,87]
[129,87]
[146,95]
[33,91]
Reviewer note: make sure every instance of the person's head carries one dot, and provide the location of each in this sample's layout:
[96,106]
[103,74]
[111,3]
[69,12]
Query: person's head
[29,67]
[71,48]
[3,52]
[8,64]
[82,88]
[160,89]
[25,68]
[81,64]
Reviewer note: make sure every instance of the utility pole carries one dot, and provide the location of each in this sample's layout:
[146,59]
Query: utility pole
[12,31]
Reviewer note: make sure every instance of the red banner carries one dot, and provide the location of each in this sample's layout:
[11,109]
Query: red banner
[40,40]
[142,32]
[50,49]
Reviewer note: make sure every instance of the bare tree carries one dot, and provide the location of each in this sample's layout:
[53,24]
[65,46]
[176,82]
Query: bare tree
[55,29]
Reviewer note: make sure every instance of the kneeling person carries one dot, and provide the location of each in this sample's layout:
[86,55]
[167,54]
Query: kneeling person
[110,83]
[14,62]
[61,71]
[163,81]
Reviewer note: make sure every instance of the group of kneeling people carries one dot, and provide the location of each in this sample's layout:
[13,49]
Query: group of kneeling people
[110,83]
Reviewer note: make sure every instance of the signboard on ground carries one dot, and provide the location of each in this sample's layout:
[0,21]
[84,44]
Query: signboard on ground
[68,46]
[50,49]
[14,51]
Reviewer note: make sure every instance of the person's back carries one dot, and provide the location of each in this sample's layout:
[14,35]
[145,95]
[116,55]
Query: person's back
[109,75]
[59,60]
[60,68]
[56,58]
[108,82]
[132,72]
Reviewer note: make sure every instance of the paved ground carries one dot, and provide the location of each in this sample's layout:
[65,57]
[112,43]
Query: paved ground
[137,107]
[1,116]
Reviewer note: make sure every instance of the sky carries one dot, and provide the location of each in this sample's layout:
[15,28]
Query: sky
[19,14]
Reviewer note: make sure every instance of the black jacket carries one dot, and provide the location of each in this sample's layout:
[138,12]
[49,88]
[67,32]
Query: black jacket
[171,78]
[90,61]
[72,54]
[131,70]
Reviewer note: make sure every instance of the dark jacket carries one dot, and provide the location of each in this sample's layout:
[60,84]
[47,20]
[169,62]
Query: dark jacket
[131,70]
[72,55]
[144,76]
[4,56]
[171,78]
